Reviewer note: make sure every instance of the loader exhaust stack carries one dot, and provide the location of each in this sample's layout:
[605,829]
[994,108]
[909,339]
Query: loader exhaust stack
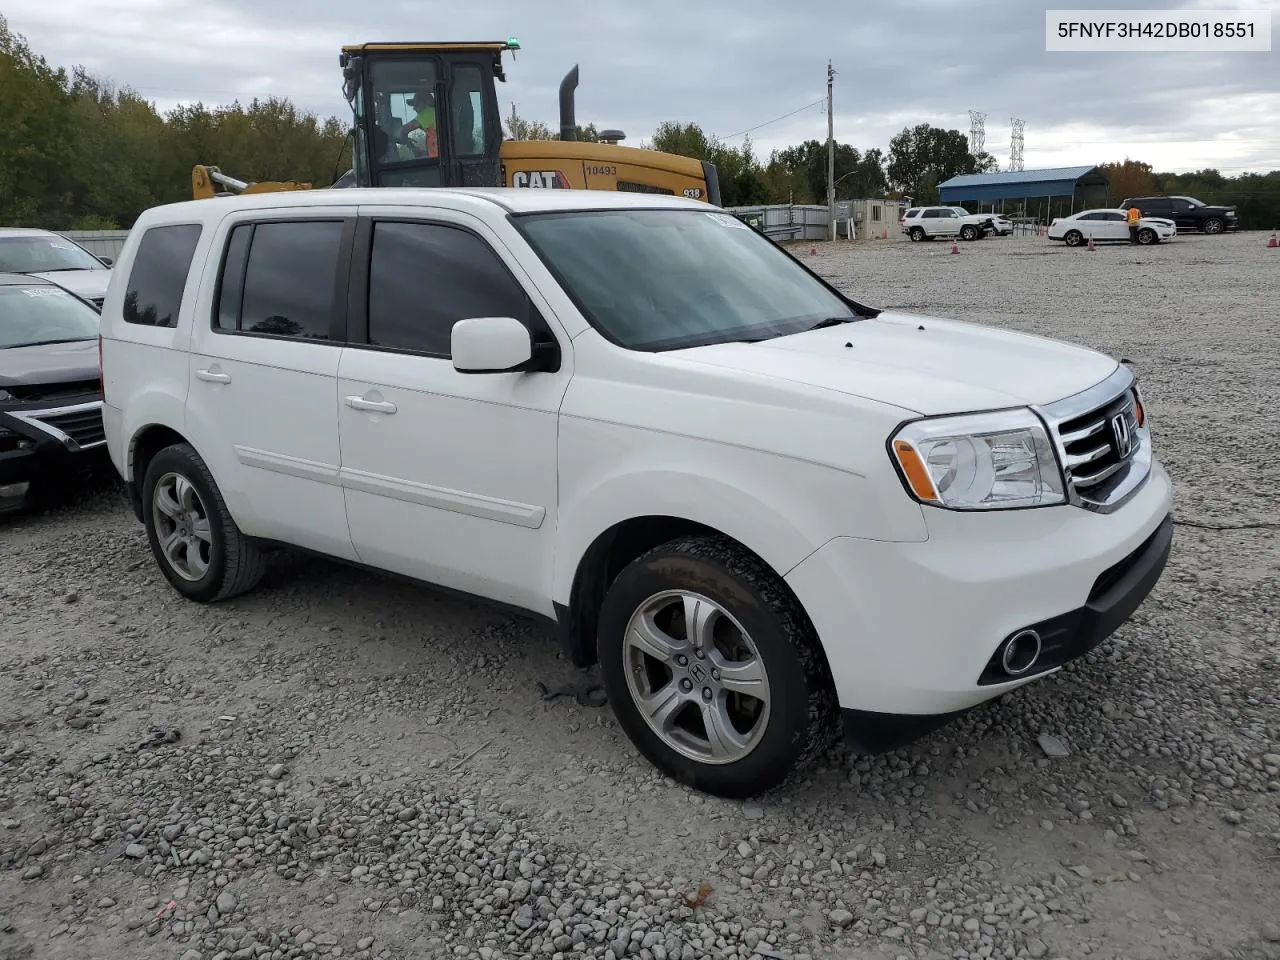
[568,123]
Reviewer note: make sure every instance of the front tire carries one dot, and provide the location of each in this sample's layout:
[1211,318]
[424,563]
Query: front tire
[1147,236]
[713,669]
[968,232]
[196,543]
[1213,225]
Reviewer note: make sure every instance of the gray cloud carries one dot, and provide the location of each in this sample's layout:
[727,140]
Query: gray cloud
[727,65]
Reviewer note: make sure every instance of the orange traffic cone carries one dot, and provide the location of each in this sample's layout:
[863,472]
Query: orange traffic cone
[955,247]
[813,251]
[1271,241]
[884,234]
[1091,246]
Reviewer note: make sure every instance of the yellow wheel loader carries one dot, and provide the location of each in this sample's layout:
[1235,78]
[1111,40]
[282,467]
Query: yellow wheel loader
[426,115]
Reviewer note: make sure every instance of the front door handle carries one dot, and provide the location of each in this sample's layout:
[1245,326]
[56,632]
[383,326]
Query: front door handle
[213,377]
[376,406]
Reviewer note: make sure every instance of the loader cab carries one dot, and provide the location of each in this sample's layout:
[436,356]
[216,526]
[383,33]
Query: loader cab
[426,114]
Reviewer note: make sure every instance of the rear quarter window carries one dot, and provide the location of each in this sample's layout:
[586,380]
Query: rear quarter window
[158,275]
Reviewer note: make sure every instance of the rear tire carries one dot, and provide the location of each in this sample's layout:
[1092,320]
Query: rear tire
[197,545]
[1073,238]
[735,708]
[917,233]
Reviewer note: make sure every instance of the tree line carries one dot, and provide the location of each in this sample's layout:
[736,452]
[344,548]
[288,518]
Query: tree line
[78,153]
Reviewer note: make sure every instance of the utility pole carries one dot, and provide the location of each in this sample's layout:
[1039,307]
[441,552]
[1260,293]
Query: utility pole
[831,156]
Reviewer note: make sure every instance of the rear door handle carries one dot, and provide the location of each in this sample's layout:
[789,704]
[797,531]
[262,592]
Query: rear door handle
[213,377]
[376,406]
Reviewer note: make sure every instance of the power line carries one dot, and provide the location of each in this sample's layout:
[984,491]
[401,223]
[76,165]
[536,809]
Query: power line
[807,106]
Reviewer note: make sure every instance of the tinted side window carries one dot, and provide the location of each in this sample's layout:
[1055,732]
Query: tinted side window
[423,278]
[231,283]
[159,275]
[289,279]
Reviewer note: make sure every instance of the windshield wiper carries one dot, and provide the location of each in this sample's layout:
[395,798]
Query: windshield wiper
[50,343]
[63,269]
[831,322]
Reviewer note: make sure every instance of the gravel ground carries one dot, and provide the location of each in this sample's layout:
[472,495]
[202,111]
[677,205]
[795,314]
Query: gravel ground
[341,764]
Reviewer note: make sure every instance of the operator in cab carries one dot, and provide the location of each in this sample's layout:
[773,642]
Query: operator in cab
[423,104]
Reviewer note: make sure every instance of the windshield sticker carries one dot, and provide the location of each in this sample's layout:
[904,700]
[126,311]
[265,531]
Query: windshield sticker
[728,220]
[44,292]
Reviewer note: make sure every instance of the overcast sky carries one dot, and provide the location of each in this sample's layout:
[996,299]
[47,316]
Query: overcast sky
[729,65]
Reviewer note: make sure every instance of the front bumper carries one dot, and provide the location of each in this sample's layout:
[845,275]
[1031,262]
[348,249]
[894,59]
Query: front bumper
[911,628]
[40,444]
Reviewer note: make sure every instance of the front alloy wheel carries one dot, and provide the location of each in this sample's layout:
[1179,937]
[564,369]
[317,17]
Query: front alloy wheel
[696,677]
[1213,225]
[713,668]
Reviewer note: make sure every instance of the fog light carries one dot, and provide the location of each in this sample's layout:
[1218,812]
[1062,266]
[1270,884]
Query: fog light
[13,490]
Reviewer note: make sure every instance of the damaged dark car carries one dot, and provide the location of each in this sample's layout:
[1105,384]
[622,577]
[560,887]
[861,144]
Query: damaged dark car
[51,432]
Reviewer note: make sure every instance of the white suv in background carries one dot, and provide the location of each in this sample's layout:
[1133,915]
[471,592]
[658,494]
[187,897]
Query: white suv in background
[927,223]
[765,509]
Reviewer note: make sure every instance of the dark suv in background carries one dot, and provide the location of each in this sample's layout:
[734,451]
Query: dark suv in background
[1187,212]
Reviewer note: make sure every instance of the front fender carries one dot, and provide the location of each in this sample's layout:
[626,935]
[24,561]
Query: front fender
[780,508]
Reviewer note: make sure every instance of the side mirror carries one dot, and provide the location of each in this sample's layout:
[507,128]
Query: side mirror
[106,261]
[493,345]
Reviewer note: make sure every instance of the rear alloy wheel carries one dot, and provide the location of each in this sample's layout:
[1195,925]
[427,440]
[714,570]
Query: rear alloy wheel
[1213,225]
[1147,236]
[1073,238]
[713,669]
[197,544]
[917,233]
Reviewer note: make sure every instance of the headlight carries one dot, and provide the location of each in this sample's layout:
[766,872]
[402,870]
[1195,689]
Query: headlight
[985,461]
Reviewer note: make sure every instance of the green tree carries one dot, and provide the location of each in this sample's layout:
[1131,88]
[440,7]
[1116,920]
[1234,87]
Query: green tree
[518,128]
[923,156]
[37,137]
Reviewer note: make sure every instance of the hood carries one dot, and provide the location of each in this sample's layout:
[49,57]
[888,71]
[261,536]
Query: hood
[90,284]
[947,367]
[55,363]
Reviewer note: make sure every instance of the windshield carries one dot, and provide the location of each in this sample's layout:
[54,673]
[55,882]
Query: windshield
[666,279]
[31,315]
[40,254]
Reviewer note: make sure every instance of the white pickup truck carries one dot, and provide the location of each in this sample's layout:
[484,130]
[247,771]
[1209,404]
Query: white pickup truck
[768,511]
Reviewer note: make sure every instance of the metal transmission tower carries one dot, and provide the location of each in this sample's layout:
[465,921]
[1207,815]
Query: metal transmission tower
[1015,145]
[977,132]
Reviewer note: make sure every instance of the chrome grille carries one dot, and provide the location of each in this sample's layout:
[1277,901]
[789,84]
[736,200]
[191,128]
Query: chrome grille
[79,427]
[1101,443]
[1105,454]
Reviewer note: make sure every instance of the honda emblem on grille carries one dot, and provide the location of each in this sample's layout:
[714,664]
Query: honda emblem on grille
[1124,440]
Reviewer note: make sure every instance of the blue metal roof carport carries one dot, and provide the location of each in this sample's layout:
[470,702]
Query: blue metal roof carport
[1088,185]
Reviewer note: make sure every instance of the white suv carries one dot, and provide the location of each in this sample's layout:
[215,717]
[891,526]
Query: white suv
[926,223]
[761,506]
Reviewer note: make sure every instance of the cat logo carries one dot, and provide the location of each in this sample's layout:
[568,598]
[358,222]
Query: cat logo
[546,179]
